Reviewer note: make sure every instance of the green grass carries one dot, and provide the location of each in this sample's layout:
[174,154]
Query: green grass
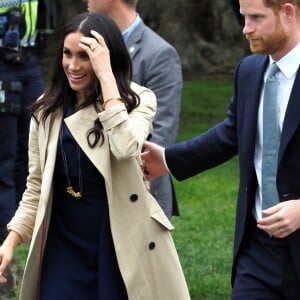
[204,231]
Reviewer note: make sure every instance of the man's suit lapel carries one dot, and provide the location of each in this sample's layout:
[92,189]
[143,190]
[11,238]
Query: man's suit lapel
[134,41]
[292,116]
[251,86]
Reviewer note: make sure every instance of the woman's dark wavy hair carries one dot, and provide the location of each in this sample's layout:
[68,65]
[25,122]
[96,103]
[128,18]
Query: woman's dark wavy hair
[60,94]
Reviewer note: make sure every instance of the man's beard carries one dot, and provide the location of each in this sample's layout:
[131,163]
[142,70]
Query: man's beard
[271,44]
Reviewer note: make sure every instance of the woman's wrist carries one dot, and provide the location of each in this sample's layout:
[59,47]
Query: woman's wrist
[12,239]
[112,101]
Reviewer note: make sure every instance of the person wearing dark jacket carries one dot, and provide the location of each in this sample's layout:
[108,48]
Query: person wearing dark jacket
[266,260]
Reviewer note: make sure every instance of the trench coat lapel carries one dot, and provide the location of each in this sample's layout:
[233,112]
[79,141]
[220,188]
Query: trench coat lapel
[48,134]
[79,123]
[48,137]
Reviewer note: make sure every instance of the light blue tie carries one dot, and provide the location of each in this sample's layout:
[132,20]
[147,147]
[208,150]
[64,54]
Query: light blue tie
[271,140]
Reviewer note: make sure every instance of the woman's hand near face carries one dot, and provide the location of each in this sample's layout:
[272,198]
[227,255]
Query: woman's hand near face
[99,56]
[98,53]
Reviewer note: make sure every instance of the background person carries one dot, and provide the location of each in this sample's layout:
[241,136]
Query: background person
[156,65]
[96,231]
[20,84]
[266,261]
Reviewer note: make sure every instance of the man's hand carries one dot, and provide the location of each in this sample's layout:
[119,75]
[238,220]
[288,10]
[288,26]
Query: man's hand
[153,161]
[282,219]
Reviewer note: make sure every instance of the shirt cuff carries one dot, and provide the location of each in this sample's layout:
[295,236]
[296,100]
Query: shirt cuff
[164,159]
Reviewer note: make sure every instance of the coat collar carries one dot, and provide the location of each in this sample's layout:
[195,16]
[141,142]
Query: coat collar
[79,123]
[48,133]
[134,42]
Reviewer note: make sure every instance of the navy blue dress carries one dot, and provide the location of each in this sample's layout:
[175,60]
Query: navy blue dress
[79,260]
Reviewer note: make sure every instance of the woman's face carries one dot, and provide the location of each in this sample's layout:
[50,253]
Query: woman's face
[77,66]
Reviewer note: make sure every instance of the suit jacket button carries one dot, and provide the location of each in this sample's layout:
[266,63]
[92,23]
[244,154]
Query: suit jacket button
[151,245]
[134,197]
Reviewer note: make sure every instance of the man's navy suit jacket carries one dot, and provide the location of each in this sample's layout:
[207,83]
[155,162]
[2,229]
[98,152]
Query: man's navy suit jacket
[236,135]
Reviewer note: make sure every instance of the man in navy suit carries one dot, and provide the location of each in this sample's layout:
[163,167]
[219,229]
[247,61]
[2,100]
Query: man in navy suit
[266,257]
[156,65]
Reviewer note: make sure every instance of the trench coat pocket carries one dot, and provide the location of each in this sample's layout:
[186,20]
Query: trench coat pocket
[162,219]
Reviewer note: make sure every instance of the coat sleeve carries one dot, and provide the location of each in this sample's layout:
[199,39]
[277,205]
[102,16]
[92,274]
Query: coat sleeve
[127,132]
[205,151]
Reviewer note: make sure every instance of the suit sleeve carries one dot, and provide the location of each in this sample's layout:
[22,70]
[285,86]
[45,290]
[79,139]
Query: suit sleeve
[205,151]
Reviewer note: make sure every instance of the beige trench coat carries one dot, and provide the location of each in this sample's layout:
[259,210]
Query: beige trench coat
[144,247]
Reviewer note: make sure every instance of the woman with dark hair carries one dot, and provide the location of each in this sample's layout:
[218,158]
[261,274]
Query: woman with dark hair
[95,230]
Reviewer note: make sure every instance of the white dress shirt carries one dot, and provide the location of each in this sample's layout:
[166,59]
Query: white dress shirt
[288,66]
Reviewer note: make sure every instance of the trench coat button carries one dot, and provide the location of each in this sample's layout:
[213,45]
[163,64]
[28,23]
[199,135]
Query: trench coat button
[151,245]
[134,197]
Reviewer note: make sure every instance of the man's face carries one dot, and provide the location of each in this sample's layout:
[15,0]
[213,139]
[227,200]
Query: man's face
[264,28]
[101,6]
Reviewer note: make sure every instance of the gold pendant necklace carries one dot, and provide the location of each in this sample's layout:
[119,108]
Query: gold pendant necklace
[70,189]
[74,194]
